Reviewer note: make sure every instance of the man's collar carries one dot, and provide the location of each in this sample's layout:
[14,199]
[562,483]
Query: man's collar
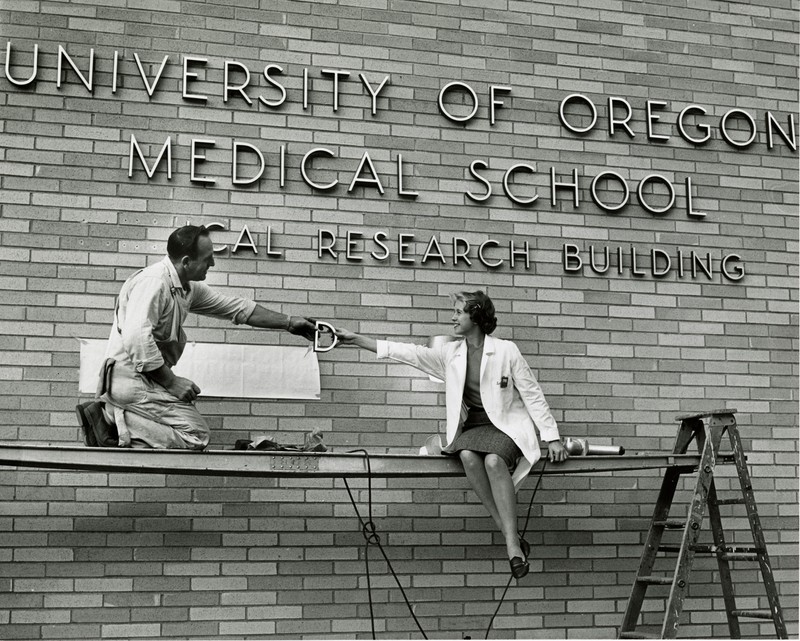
[173,276]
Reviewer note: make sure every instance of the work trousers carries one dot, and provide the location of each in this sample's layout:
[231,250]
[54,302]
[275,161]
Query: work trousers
[148,416]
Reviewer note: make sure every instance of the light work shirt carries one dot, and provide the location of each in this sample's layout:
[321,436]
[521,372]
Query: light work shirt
[151,310]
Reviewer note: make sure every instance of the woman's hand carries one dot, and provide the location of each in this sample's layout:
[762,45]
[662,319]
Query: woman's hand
[557,452]
[345,336]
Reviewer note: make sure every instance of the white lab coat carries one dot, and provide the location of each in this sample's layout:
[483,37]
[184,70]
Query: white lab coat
[514,408]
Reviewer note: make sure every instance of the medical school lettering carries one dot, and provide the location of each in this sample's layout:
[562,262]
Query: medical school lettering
[221,85]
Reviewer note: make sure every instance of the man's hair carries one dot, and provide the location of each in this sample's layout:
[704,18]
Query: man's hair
[183,241]
[480,309]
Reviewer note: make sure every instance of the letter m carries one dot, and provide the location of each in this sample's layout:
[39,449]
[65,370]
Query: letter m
[135,146]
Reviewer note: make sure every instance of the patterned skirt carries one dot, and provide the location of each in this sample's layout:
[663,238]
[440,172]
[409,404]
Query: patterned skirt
[478,434]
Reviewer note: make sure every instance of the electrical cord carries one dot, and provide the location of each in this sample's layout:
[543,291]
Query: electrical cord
[524,530]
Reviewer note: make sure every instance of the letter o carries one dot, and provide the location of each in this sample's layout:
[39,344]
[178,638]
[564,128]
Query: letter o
[640,193]
[596,198]
[469,90]
[563,118]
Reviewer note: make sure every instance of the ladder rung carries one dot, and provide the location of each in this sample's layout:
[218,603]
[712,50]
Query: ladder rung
[669,548]
[638,635]
[671,525]
[740,556]
[733,501]
[753,614]
[655,580]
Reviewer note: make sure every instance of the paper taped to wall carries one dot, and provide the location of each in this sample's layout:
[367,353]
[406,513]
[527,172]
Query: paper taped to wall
[229,370]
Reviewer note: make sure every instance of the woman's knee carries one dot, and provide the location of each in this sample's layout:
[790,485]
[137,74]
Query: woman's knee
[469,458]
[495,464]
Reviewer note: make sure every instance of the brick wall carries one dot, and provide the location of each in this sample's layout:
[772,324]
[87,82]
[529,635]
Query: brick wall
[618,354]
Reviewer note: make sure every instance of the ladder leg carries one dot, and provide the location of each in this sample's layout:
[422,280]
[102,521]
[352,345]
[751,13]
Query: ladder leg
[758,534]
[708,443]
[722,563]
[660,515]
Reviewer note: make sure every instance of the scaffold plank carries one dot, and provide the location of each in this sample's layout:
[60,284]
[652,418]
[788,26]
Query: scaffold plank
[255,463]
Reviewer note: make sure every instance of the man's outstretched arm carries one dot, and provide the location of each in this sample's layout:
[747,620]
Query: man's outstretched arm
[267,319]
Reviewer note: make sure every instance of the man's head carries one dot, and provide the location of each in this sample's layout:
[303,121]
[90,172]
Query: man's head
[191,251]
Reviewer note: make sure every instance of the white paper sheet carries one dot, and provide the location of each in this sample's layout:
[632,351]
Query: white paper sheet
[229,370]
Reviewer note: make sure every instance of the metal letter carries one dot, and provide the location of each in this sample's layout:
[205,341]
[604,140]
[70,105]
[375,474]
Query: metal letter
[226,87]
[400,189]
[723,126]
[559,185]
[167,146]
[507,189]
[670,188]
[335,73]
[789,138]
[22,83]
[613,102]
[324,233]
[499,262]
[702,127]
[562,116]
[457,240]
[150,89]
[274,83]
[738,269]
[190,74]
[309,182]
[476,175]
[653,118]
[570,253]
[235,163]
[373,93]
[469,90]
[365,160]
[493,101]
[194,156]
[596,198]
[88,83]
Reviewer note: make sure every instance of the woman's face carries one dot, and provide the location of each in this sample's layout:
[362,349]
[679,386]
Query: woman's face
[462,323]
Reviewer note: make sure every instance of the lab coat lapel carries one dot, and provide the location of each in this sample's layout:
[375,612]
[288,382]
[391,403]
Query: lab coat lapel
[488,351]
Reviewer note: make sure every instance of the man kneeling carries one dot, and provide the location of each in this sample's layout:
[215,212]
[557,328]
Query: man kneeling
[141,402]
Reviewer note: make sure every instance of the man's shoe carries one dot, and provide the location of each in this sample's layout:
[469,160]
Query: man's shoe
[105,434]
[83,420]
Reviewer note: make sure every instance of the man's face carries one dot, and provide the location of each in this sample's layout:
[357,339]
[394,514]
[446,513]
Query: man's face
[197,268]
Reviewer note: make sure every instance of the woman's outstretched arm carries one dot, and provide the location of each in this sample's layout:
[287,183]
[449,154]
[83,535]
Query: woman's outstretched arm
[347,337]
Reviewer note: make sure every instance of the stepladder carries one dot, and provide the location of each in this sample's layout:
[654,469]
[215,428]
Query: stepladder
[707,430]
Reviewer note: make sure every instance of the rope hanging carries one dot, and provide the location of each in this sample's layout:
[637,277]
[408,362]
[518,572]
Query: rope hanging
[371,537]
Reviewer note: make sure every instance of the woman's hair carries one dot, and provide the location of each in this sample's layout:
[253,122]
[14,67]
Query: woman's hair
[480,309]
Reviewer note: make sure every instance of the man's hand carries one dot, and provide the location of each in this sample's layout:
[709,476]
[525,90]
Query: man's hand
[301,326]
[183,388]
[557,452]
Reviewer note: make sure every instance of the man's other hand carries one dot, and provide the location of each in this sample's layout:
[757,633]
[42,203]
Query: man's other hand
[184,389]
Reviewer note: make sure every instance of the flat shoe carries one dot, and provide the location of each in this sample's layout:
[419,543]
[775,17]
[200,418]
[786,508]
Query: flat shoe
[519,567]
[526,547]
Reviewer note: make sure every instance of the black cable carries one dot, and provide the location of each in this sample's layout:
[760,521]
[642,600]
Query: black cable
[522,536]
[370,534]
